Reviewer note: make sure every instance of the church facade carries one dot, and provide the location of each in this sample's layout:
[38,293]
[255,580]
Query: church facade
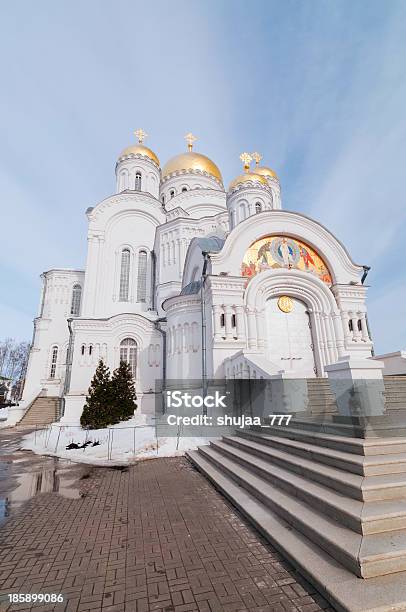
[185,278]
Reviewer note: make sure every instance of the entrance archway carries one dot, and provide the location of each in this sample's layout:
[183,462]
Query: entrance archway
[289,336]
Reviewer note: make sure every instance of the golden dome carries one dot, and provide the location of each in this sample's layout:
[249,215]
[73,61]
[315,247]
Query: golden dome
[191,161]
[139,149]
[265,171]
[252,177]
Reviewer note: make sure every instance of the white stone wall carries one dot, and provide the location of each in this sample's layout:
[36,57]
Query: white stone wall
[51,330]
[128,167]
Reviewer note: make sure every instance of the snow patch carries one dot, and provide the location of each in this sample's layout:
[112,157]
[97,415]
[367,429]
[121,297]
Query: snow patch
[120,444]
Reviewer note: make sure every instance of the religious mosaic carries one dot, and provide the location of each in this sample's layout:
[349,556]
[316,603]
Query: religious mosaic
[283,252]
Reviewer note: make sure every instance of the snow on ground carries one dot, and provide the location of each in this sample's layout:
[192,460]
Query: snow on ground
[126,442]
[3,413]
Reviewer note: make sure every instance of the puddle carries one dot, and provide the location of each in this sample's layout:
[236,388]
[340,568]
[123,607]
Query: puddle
[24,475]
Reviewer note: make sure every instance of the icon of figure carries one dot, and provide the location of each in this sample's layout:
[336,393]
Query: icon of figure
[286,253]
[248,269]
[307,258]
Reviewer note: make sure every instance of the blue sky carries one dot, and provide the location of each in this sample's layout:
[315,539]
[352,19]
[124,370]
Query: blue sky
[317,86]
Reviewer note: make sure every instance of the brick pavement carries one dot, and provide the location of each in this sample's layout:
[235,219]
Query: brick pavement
[152,537]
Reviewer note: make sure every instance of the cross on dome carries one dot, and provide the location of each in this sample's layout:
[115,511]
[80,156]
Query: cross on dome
[190,139]
[140,135]
[246,159]
[256,157]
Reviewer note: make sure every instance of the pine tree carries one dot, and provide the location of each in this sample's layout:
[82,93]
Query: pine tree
[97,411]
[123,394]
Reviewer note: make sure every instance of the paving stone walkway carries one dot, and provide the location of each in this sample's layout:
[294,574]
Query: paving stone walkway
[154,536]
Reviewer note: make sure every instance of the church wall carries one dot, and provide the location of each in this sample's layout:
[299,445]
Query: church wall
[51,331]
[184,356]
[126,223]
[126,179]
[94,340]
[182,183]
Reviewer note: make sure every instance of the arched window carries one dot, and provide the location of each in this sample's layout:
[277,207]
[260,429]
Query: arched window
[124,275]
[54,359]
[359,325]
[258,207]
[128,353]
[83,349]
[222,320]
[163,199]
[172,193]
[184,188]
[137,185]
[350,326]
[233,321]
[90,349]
[142,277]
[76,298]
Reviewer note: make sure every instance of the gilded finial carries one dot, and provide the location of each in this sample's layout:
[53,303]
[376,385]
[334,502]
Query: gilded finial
[140,135]
[190,139]
[246,159]
[256,157]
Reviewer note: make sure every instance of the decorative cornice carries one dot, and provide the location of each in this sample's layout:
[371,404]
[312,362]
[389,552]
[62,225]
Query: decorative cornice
[137,156]
[194,172]
[124,197]
[249,186]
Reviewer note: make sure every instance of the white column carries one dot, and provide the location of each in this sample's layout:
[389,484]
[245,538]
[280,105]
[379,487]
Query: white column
[228,312]
[260,321]
[339,333]
[364,327]
[216,308]
[345,319]
[239,310]
[252,328]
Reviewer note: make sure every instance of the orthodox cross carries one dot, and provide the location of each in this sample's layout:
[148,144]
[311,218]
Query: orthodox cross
[256,157]
[246,159]
[190,139]
[140,135]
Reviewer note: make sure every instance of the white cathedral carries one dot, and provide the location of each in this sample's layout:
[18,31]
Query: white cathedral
[186,279]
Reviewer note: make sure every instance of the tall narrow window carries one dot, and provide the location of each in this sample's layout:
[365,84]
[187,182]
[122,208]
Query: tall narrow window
[258,207]
[142,277]
[125,275]
[137,185]
[76,298]
[128,353]
[54,359]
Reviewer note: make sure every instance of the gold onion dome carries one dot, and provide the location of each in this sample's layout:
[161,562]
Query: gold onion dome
[191,161]
[140,148]
[265,171]
[246,178]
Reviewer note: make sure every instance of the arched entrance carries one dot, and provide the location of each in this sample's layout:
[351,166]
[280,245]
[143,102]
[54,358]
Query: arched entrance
[289,336]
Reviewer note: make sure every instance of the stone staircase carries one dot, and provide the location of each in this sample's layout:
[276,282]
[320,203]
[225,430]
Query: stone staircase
[334,506]
[321,398]
[395,392]
[42,411]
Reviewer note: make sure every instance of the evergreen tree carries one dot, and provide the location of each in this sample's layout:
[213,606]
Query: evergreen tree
[97,411]
[123,394]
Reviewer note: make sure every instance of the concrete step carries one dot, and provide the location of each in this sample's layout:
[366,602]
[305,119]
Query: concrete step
[370,446]
[345,591]
[366,556]
[351,462]
[42,411]
[390,430]
[373,517]
[373,488]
